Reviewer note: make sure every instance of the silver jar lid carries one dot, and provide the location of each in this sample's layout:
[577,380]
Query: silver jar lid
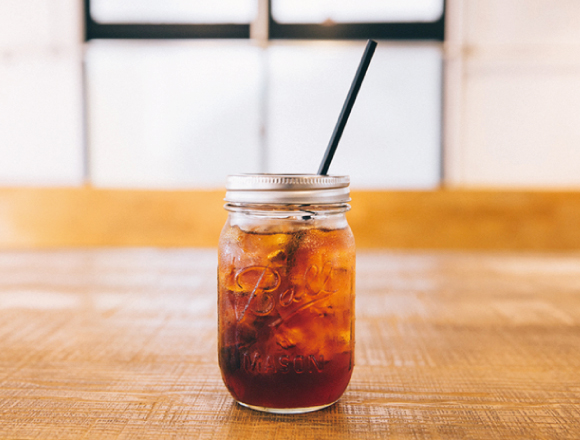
[287,188]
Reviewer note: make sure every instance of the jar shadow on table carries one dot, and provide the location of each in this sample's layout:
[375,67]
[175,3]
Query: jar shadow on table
[331,422]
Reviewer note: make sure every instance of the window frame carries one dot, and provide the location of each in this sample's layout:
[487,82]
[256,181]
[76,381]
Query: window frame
[136,31]
[424,31]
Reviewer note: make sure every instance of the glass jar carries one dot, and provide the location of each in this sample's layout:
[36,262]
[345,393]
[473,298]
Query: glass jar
[286,277]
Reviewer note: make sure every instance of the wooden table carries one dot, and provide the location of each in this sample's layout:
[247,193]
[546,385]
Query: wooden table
[121,344]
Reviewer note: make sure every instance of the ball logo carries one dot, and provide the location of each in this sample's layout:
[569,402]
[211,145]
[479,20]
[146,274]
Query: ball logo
[260,290]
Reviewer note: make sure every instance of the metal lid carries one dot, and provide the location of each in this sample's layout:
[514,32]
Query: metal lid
[287,188]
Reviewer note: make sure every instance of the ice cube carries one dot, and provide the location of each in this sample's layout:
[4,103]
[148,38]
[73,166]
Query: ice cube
[287,337]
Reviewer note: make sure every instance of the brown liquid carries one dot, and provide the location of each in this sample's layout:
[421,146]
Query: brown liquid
[286,316]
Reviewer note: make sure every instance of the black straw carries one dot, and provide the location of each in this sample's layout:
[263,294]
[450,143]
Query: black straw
[347,107]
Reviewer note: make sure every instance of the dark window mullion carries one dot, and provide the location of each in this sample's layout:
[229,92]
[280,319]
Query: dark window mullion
[166,31]
[362,31]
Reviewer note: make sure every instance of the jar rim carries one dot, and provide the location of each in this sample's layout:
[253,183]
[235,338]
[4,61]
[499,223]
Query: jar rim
[287,188]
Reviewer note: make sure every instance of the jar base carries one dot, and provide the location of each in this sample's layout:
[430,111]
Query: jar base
[287,410]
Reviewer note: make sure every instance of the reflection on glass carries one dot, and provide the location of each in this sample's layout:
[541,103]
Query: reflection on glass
[359,11]
[173,11]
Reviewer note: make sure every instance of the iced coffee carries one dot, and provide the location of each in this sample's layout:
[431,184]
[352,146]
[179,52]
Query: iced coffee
[286,292]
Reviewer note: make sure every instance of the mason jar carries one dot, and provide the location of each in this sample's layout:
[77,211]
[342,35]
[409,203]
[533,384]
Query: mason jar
[286,277]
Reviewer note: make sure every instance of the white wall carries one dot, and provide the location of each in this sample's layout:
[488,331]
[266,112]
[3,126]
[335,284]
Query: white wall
[41,131]
[513,93]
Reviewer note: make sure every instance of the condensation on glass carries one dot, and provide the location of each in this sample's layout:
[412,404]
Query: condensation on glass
[286,276]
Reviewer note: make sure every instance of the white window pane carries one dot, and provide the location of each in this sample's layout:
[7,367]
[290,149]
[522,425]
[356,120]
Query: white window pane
[355,11]
[173,114]
[173,11]
[393,136]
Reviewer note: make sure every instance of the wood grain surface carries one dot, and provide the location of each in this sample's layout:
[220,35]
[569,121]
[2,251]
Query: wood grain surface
[121,344]
[441,219]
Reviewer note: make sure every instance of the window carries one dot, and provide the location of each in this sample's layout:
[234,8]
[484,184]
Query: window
[361,11]
[309,19]
[169,18]
[181,96]
[174,11]
[361,19]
